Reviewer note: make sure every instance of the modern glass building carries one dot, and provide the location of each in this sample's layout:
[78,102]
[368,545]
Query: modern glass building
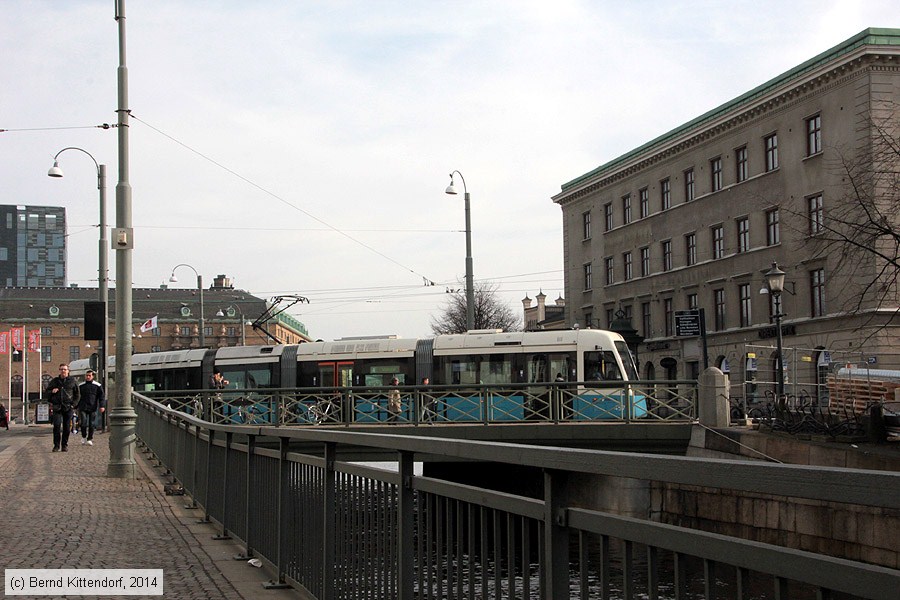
[32,246]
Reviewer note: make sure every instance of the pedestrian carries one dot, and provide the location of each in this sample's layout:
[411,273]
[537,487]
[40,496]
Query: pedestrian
[428,402]
[92,401]
[217,381]
[4,417]
[394,405]
[64,397]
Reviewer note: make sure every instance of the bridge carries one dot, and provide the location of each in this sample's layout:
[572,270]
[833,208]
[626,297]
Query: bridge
[334,528]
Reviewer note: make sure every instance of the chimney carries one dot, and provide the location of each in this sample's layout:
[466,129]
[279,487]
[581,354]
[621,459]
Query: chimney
[221,281]
[526,302]
[560,301]
[541,306]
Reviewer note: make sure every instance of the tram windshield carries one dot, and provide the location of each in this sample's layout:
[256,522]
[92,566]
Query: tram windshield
[627,360]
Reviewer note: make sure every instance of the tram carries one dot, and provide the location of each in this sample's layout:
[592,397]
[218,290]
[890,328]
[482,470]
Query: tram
[593,365]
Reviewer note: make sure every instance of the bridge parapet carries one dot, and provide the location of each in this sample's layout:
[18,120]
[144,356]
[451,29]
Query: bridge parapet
[340,529]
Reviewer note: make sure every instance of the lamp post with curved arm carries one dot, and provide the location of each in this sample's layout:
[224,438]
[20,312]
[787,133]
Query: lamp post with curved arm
[172,278]
[222,313]
[103,268]
[775,285]
[470,286]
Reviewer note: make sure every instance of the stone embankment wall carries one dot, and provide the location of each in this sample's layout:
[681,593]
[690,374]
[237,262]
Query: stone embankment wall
[843,530]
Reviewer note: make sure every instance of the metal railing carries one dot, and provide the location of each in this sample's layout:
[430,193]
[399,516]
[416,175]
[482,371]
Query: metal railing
[338,529]
[418,405]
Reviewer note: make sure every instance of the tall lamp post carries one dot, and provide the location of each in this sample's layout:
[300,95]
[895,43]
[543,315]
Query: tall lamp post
[775,285]
[232,308]
[174,279]
[122,417]
[103,268]
[470,289]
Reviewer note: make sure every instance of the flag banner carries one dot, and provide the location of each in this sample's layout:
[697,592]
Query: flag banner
[34,340]
[18,340]
[149,324]
[4,342]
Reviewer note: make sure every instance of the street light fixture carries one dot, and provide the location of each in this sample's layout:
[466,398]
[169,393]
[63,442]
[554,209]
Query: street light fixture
[470,289]
[775,285]
[103,268]
[174,279]
[232,308]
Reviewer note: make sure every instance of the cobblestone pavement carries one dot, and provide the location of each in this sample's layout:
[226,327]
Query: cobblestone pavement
[59,510]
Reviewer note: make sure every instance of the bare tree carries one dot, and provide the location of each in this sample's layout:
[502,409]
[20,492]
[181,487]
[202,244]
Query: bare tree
[490,312]
[860,231]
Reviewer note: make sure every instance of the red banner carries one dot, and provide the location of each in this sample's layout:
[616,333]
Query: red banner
[4,342]
[18,338]
[34,340]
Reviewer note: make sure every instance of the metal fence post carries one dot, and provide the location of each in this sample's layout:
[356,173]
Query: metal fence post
[329,525]
[209,444]
[224,535]
[406,539]
[248,551]
[281,509]
[555,567]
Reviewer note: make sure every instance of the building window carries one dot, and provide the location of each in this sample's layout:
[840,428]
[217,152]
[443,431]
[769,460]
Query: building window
[644,202]
[816,214]
[155,348]
[588,277]
[645,318]
[817,288]
[690,248]
[609,317]
[669,312]
[586,225]
[667,255]
[46,331]
[773,228]
[185,330]
[718,241]
[719,302]
[771,152]
[665,192]
[628,272]
[715,171]
[744,291]
[645,262]
[74,331]
[608,215]
[814,135]
[688,185]
[46,353]
[74,353]
[740,163]
[692,301]
[610,270]
[743,234]
[626,209]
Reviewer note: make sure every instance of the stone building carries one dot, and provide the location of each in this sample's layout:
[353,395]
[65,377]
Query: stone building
[696,217]
[544,316]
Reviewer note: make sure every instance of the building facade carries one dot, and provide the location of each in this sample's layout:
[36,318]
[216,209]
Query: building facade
[58,314]
[32,246]
[696,217]
[543,316]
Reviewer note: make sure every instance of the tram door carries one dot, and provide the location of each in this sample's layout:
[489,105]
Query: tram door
[337,374]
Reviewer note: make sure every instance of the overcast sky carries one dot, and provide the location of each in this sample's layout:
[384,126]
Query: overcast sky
[304,147]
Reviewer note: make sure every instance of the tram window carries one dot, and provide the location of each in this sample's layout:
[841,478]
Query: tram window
[537,368]
[496,368]
[259,378]
[459,371]
[601,366]
[560,364]
[381,373]
[627,360]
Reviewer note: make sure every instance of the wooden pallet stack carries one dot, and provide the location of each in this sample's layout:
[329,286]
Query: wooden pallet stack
[855,395]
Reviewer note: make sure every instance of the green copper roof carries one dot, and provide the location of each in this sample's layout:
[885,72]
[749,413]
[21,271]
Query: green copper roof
[867,37]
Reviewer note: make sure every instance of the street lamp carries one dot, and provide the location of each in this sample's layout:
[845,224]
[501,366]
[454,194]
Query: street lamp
[230,310]
[103,268]
[470,290]
[174,279]
[122,417]
[775,285]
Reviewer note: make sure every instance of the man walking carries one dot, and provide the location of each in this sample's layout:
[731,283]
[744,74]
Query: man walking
[91,401]
[64,396]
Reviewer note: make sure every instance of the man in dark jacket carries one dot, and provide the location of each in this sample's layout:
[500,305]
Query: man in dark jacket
[91,401]
[64,396]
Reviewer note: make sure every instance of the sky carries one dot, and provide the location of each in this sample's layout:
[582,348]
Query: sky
[303,147]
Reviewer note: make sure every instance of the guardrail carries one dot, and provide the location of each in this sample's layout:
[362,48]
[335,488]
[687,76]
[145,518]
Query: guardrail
[419,405]
[346,530]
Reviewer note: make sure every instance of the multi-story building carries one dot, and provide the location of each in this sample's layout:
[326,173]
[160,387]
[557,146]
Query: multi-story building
[543,316]
[58,314]
[696,217]
[32,246]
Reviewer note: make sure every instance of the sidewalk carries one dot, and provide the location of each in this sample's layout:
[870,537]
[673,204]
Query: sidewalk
[59,510]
